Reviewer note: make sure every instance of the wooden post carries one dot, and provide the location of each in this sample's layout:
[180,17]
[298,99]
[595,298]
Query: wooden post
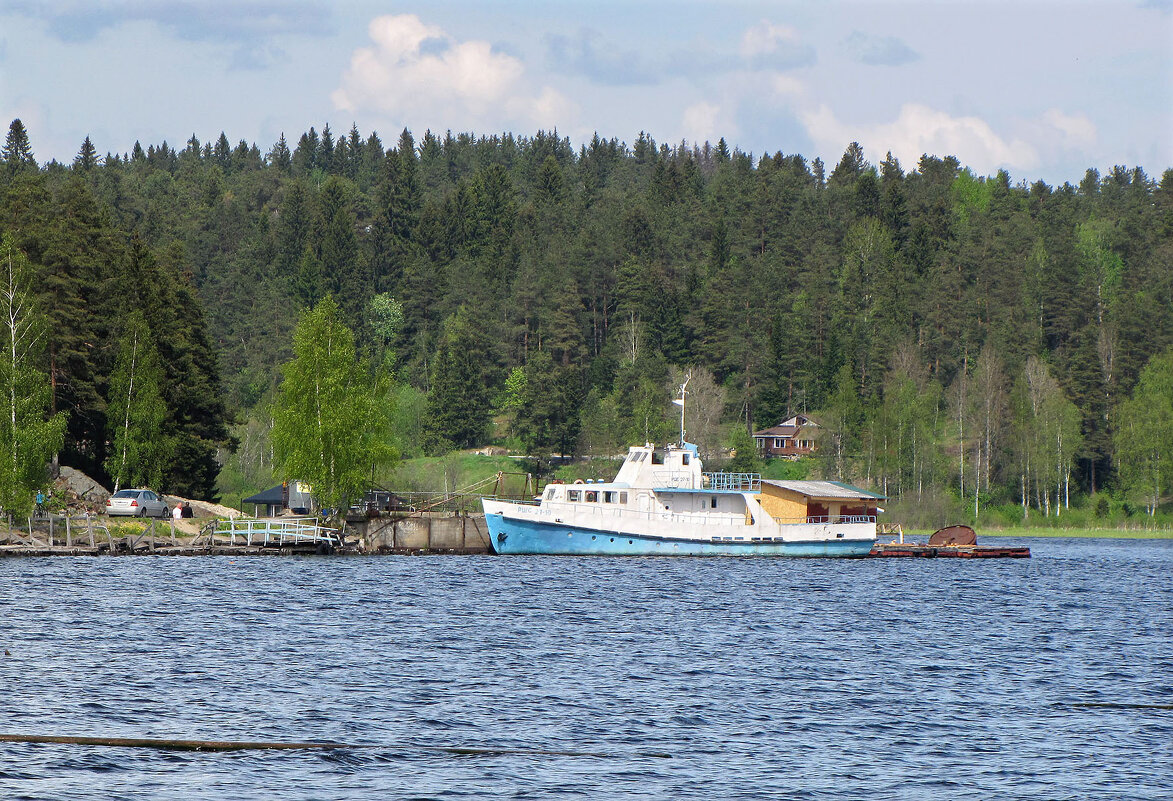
[90,526]
[68,533]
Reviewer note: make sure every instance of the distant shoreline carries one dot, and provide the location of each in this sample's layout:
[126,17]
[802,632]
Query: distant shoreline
[1082,533]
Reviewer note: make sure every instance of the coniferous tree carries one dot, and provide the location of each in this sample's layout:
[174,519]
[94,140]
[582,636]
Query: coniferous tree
[17,153]
[279,156]
[87,156]
[459,405]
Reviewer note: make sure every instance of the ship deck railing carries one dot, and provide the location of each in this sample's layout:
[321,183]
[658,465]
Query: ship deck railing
[512,499]
[828,519]
[734,482]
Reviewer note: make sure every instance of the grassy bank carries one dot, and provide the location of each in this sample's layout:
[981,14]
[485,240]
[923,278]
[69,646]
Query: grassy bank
[1109,533]
[1074,533]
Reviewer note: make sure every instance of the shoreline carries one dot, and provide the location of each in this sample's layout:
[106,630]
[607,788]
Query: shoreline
[1058,533]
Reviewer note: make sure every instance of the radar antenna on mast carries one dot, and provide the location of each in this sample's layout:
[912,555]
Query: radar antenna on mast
[680,402]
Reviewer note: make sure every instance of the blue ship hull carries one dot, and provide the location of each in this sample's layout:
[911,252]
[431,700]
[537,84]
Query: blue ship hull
[525,537]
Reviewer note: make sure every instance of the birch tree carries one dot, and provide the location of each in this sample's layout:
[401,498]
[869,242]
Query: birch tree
[136,410]
[329,420]
[1049,438]
[1144,437]
[29,436]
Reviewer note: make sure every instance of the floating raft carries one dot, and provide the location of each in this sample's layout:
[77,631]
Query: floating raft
[956,542]
[894,549]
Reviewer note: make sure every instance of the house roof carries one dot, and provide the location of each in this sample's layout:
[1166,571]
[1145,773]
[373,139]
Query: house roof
[777,431]
[826,489]
[788,427]
[270,496]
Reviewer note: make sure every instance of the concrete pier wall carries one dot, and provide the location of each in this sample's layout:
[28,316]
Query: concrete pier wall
[440,533]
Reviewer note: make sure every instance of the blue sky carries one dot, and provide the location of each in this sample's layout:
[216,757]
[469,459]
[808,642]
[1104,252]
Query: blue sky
[1042,89]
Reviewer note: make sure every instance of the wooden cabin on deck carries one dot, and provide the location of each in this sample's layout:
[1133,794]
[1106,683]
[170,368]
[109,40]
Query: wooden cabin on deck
[817,502]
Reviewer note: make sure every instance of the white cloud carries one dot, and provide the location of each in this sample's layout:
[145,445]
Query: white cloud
[1076,130]
[770,46]
[703,122]
[766,38]
[787,85]
[919,130]
[414,72]
[549,110]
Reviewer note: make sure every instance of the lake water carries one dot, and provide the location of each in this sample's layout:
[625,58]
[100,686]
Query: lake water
[758,678]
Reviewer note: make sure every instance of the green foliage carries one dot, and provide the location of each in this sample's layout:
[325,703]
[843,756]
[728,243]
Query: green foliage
[548,419]
[17,153]
[385,316]
[1144,434]
[458,402]
[329,424]
[136,411]
[621,264]
[28,435]
[745,457]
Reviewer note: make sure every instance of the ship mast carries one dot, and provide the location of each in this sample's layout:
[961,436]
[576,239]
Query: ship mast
[680,402]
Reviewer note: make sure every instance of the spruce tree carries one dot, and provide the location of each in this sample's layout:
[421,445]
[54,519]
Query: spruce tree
[17,153]
[87,157]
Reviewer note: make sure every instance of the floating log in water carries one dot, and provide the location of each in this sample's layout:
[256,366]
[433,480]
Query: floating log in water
[1106,705]
[168,745]
[234,745]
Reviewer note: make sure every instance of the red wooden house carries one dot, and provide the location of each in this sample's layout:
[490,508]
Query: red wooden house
[790,439]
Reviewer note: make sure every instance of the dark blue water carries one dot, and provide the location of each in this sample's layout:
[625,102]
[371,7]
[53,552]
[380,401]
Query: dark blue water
[761,678]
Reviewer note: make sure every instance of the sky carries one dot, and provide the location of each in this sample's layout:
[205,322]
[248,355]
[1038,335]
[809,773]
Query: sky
[1044,90]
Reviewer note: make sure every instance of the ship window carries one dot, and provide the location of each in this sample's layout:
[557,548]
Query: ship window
[657,457]
[608,497]
[623,497]
[549,493]
[684,457]
[572,496]
[592,497]
[712,503]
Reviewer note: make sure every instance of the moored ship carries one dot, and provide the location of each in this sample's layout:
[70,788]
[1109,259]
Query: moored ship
[661,502]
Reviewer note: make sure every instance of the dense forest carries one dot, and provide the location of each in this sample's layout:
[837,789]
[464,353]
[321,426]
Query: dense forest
[953,334]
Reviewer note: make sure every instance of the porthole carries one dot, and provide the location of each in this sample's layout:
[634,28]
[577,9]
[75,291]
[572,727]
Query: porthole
[593,537]
[629,542]
[612,539]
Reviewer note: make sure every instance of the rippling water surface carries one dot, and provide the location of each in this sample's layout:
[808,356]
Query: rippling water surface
[668,678]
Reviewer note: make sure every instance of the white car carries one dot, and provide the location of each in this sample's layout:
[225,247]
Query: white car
[136,503]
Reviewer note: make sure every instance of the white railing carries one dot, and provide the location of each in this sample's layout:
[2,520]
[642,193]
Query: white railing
[293,531]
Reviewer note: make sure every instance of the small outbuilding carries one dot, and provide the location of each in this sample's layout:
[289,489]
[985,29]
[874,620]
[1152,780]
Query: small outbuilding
[293,496]
[817,501]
